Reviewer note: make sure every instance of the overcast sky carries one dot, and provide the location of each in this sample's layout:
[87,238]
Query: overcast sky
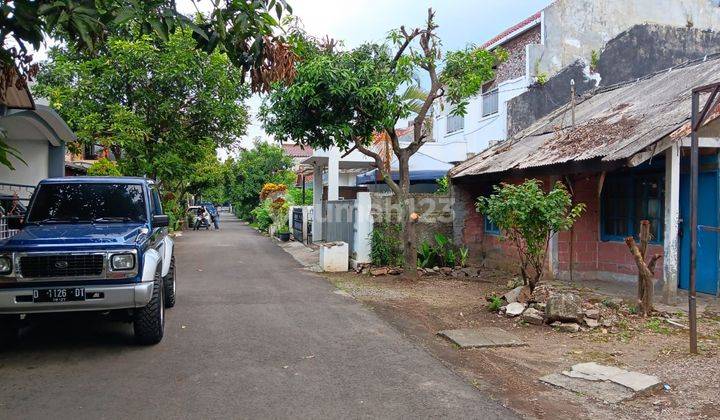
[461,22]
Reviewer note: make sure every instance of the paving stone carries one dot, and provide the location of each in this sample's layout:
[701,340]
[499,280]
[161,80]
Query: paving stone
[607,383]
[481,337]
[609,392]
[638,382]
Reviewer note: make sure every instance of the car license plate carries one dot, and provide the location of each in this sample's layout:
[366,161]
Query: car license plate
[70,294]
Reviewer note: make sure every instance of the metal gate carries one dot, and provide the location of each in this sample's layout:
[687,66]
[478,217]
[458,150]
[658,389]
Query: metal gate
[340,222]
[297,223]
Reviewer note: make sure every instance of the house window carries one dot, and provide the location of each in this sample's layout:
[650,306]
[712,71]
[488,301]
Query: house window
[490,227]
[455,123]
[628,199]
[490,103]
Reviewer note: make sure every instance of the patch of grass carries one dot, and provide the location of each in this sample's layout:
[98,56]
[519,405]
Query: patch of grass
[657,326]
[608,303]
[495,304]
[633,309]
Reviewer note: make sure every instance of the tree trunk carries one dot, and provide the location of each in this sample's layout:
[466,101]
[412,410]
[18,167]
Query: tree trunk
[408,219]
[646,270]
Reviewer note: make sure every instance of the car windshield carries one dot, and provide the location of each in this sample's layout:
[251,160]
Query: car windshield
[88,202]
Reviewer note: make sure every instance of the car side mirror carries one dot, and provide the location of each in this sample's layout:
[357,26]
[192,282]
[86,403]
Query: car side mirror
[15,222]
[160,220]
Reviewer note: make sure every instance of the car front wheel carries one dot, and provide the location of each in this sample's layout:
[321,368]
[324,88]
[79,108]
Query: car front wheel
[169,282]
[149,322]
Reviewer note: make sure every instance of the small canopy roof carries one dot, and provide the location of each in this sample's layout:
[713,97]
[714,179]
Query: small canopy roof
[422,168]
[42,123]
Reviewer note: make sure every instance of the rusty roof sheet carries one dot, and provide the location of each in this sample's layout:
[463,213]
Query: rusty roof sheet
[611,123]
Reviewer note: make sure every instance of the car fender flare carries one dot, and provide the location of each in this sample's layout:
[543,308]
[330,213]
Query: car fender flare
[151,263]
[167,255]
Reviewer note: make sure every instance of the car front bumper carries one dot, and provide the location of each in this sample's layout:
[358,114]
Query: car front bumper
[122,296]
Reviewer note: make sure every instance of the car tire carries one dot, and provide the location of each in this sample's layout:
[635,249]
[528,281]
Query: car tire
[149,321]
[169,283]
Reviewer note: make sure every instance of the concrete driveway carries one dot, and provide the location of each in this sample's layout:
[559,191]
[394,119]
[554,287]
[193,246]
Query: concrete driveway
[253,335]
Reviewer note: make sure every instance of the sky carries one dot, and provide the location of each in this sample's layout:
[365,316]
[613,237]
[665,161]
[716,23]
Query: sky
[461,22]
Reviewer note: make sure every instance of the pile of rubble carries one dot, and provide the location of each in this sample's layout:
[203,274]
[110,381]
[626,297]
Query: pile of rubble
[564,311]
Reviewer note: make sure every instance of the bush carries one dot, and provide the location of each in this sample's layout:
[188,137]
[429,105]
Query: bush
[528,217]
[385,246]
[175,213]
[443,185]
[104,167]
[294,196]
[443,254]
[261,216]
[495,304]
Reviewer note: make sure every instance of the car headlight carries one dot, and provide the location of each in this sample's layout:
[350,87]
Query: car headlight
[5,264]
[122,262]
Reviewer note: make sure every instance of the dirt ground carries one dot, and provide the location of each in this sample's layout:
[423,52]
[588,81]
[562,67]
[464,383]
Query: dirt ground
[420,308]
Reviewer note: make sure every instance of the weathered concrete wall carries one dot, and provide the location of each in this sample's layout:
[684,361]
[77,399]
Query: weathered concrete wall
[639,51]
[645,49]
[435,213]
[540,100]
[574,28]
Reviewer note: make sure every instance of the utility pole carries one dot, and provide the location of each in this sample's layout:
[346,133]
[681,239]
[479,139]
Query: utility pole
[572,196]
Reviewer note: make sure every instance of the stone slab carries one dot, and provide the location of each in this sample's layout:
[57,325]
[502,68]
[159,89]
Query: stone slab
[481,337]
[609,392]
[607,383]
[638,382]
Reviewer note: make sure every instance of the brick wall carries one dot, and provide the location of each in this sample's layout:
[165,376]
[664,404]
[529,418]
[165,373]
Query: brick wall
[593,258]
[514,67]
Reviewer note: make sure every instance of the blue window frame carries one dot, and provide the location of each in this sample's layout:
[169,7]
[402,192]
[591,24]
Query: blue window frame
[629,198]
[490,227]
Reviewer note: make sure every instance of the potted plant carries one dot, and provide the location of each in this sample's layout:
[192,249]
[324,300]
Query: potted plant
[283,233]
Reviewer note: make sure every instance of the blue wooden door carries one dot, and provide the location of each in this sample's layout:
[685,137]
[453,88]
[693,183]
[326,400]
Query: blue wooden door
[707,249]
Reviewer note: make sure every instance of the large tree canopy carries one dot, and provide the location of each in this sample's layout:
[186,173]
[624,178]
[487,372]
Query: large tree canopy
[161,108]
[245,30]
[264,163]
[341,97]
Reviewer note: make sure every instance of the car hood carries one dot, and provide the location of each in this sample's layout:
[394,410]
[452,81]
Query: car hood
[76,235]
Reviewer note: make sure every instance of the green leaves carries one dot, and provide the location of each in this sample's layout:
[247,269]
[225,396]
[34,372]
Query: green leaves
[337,97]
[162,109]
[465,72]
[529,217]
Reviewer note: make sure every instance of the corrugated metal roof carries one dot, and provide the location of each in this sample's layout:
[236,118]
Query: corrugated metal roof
[610,123]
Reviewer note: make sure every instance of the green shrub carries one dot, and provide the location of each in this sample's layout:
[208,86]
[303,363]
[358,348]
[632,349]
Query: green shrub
[463,253]
[261,216]
[426,255]
[443,185]
[174,212]
[104,167]
[294,196]
[529,217]
[385,246]
[495,303]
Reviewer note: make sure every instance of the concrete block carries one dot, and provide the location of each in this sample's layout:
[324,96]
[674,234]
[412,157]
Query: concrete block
[334,256]
[481,337]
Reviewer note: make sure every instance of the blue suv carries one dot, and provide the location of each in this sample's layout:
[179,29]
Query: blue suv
[90,244]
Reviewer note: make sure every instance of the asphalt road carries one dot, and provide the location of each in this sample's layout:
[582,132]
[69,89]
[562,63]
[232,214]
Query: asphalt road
[253,335]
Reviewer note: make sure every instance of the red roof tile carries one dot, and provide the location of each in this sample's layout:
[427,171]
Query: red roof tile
[296,150]
[511,30]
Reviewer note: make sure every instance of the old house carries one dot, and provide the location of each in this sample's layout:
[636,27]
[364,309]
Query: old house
[568,37]
[625,156]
